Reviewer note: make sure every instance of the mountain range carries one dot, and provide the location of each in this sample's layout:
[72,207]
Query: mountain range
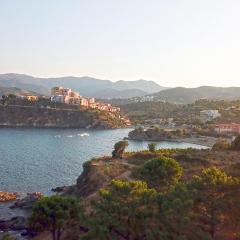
[86,86]
[106,89]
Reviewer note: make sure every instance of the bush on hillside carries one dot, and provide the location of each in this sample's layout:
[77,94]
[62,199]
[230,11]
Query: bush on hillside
[161,173]
[119,149]
[221,144]
[152,147]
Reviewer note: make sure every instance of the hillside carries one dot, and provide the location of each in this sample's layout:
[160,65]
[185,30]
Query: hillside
[190,95]
[108,191]
[31,116]
[14,90]
[87,86]
[149,110]
[139,112]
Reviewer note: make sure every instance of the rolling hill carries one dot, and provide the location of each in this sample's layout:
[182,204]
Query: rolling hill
[190,95]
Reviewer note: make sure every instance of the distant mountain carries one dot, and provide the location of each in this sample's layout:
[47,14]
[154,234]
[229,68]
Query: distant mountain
[144,85]
[110,93]
[23,82]
[15,91]
[189,95]
[86,86]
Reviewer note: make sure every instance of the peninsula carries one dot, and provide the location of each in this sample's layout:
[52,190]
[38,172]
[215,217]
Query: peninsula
[64,109]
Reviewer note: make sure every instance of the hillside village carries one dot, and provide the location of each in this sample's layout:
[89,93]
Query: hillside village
[64,108]
[65,96]
[68,96]
[215,117]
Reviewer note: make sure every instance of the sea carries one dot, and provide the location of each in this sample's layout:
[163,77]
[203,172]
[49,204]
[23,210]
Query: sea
[41,159]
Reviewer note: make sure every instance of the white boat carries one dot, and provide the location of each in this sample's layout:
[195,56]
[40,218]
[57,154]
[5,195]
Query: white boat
[83,134]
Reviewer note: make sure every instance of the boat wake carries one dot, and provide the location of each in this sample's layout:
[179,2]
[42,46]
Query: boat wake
[83,135]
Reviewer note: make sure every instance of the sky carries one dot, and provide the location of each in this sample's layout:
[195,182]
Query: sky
[173,42]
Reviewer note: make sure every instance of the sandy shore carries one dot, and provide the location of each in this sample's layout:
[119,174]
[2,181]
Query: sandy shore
[204,141]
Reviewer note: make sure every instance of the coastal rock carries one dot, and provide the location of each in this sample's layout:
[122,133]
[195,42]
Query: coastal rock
[59,189]
[89,181]
[8,196]
[15,217]
[28,201]
[17,223]
[150,134]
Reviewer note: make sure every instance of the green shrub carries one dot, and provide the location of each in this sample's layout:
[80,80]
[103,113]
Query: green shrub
[161,172]
[55,214]
[119,149]
[221,144]
[152,147]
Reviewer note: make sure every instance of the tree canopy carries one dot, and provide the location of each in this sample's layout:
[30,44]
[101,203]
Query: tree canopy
[119,149]
[55,214]
[210,191]
[152,147]
[221,144]
[161,172]
[123,210]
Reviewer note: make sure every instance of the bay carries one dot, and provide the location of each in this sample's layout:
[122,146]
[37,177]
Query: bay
[41,159]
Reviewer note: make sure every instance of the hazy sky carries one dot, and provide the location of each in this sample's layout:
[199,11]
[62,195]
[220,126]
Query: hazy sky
[174,42]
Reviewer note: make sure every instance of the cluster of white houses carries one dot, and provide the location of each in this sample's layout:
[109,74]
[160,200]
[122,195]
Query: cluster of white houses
[66,95]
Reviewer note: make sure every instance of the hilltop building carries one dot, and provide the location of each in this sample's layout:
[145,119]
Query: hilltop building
[32,98]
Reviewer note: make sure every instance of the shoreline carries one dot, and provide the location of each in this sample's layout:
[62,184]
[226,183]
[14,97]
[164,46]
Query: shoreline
[201,141]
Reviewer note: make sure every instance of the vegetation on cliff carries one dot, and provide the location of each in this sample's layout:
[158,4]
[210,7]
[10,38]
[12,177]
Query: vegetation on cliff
[163,194]
[156,134]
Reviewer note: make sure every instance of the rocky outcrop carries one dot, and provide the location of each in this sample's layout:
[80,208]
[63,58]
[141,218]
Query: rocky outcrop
[30,116]
[14,217]
[17,223]
[156,134]
[141,134]
[91,179]
[28,201]
[8,196]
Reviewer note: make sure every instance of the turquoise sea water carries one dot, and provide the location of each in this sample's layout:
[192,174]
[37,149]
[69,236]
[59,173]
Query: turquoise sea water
[41,159]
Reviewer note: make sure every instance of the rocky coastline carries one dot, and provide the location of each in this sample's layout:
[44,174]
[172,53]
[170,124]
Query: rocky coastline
[15,212]
[36,117]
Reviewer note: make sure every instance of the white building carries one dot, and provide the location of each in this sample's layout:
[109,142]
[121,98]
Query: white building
[208,115]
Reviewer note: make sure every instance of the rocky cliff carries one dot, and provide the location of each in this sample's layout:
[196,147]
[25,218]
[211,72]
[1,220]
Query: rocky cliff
[27,116]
